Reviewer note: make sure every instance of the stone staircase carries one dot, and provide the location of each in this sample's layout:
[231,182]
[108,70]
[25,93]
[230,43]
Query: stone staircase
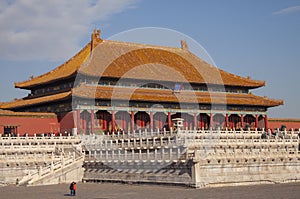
[40,160]
[58,172]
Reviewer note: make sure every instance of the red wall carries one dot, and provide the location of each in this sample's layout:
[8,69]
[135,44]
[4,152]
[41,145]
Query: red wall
[30,125]
[68,122]
[289,124]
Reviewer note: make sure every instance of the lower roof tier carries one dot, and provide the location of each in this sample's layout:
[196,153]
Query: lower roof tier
[147,95]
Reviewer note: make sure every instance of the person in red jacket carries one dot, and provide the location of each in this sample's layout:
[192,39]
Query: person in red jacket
[74,188]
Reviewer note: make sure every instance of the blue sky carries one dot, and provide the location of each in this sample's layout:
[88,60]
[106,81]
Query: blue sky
[260,39]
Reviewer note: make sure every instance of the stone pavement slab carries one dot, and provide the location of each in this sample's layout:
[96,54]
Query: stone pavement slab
[126,191]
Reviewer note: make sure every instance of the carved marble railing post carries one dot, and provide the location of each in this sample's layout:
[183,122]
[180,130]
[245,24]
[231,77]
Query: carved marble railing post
[119,154]
[148,155]
[122,143]
[95,154]
[52,167]
[90,154]
[40,171]
[170,154]
[134,142]
[106,155]
[178,153]
[62,161]
[113,154]
[125,155]
[132,154]
[163,153]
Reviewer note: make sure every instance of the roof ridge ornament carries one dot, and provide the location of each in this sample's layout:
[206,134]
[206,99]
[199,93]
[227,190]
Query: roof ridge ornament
[184,45]
[96,34]
[95,38]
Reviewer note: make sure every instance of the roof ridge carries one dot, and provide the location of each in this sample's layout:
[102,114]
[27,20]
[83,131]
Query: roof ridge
[145,45]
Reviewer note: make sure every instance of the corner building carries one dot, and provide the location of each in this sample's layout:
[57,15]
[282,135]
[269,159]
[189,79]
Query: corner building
[111,85]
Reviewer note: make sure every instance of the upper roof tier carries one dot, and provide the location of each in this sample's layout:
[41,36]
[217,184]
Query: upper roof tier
[105,58]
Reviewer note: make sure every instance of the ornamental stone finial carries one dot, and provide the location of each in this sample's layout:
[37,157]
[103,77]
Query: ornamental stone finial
[184,45]
[96,34]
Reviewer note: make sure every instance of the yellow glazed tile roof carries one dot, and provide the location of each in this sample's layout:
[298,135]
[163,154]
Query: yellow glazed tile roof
[34,101]
[148,95]
[140,61]
[65,70]
[148,62]
[157,95]
[30,114]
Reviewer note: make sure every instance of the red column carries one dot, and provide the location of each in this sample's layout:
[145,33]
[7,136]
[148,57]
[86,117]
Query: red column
[201,121]
[124,121]
[143,118]
[195,121]
[211,120]
[160,122]
[185,121]
[226,120]
[84,124]
[112,121]
[169,120]
[92,121]
[266,122]
[78,121]
[242,120]
[256,121]
[105,121]
[132,121]
[151,120]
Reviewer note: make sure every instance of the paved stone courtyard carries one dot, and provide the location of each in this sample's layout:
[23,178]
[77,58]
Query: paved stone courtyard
[125,191]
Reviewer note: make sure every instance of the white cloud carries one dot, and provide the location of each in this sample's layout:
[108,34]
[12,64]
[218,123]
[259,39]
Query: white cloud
[38,29]
[287,10]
